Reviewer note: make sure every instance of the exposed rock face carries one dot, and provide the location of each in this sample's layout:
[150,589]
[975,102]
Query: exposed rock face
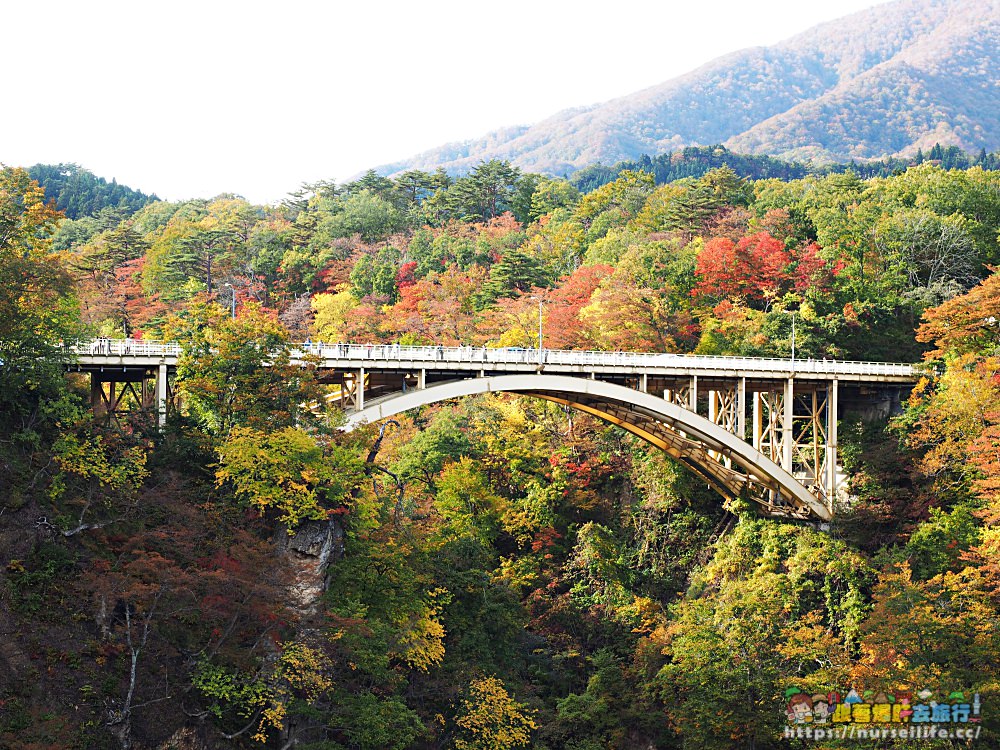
[184,739]
[308,552]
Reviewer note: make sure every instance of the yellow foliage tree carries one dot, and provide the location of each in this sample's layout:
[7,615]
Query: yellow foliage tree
[957,412]
[286,472]
[300,672]
[421,644]
[490,719]
[332,313]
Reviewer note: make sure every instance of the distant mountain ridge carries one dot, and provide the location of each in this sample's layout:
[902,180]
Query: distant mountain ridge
[879,83]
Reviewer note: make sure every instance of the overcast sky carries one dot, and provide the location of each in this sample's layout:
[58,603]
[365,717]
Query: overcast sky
[191,99]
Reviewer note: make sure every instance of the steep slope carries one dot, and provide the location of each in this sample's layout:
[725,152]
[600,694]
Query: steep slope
[942,88]
[880,82]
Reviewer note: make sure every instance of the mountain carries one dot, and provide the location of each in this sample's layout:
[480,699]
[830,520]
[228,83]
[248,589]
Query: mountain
[879,83]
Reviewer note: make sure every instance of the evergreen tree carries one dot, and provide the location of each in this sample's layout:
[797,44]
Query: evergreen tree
[516,272]
[77,192]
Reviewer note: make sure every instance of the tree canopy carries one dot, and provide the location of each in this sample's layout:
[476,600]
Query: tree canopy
[497,572]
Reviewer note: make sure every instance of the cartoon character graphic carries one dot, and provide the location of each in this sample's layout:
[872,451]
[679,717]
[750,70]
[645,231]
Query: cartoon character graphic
[821,709]
[800,708]
[903,709]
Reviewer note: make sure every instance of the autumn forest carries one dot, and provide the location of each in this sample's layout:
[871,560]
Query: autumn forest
[498,572]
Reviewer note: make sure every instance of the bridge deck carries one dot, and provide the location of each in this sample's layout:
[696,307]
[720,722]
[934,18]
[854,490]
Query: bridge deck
[462,359]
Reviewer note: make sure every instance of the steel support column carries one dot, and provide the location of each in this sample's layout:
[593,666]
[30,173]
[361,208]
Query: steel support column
[831,443]
[96,395]
[787,418]
[722,410]
[741,409]
[161,395]
[809,447]
[770,418]
[758,421]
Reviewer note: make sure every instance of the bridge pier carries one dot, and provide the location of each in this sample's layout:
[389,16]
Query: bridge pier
[795,425]
[162,395]
[352,389]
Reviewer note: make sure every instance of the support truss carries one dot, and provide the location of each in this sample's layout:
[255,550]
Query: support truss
[114,399]
[679,395]
[352,390]
[798,432]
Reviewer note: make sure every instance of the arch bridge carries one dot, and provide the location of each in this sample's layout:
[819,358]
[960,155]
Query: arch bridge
[756,427]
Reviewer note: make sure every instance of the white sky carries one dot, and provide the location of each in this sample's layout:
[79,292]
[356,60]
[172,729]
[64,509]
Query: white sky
[190,99]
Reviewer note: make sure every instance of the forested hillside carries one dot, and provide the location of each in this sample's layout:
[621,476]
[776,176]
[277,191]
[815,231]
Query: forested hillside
[496,573]
[78,193]
[880,83]
[696,161]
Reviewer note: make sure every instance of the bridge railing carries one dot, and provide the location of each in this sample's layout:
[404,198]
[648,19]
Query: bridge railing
[638,360]
[125,348]
[432,355]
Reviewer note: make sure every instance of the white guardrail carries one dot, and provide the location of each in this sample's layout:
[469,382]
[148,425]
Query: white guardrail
[125,348]
[475,355]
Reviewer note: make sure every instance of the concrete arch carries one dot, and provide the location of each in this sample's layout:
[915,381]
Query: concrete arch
[697,442]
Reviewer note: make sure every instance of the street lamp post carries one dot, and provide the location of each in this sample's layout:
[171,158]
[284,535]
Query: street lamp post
[539,330]
[232,306]
[793,337]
